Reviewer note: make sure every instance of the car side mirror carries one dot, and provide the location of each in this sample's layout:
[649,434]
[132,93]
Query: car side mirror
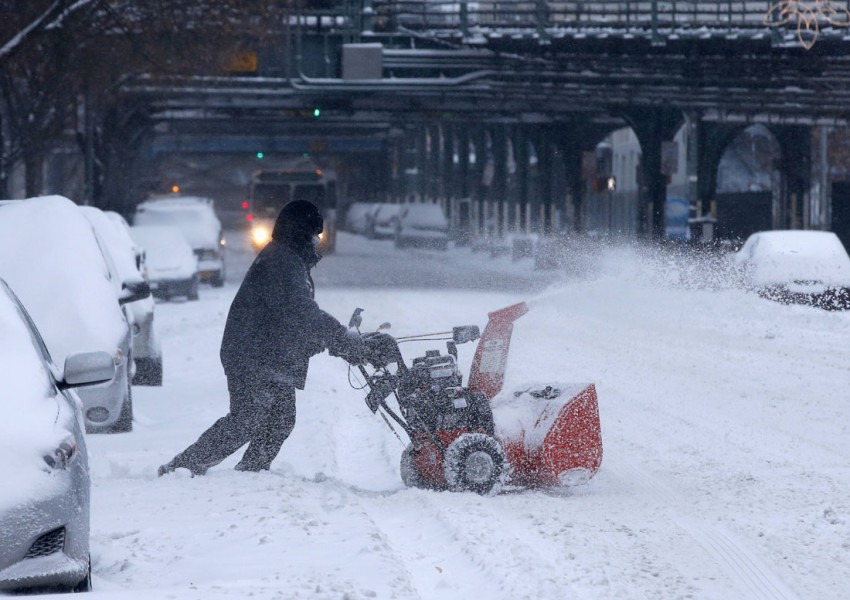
[133,291]
[87,368]
[465,333]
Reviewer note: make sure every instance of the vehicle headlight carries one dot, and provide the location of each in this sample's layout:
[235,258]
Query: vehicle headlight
[63,455]
[261,235]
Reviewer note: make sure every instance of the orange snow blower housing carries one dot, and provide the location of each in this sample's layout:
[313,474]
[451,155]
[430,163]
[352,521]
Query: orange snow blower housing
[550,433]
[476,438]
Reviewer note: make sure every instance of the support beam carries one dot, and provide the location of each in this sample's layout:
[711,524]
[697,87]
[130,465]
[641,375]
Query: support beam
[653,126]
[500,175]
[796,164]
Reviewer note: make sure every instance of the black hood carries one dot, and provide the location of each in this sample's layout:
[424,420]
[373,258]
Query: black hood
[296,225]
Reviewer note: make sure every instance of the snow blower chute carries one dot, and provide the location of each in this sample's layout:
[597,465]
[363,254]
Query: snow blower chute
[478,437]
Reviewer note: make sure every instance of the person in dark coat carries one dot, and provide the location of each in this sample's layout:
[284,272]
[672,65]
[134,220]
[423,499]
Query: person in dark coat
[273,328]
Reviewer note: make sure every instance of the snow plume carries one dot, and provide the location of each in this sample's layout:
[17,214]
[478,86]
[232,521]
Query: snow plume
[628,270]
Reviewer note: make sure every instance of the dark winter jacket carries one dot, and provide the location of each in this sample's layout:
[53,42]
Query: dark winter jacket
[274,326]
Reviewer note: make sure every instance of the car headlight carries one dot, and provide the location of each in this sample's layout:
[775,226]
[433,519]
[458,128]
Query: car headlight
[63,455]
[261,235]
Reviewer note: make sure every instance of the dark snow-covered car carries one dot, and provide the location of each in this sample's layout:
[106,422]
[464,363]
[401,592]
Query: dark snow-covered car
[796,267]
[172,267]
[50,255]
[196,218]
[44,500]
[422,225]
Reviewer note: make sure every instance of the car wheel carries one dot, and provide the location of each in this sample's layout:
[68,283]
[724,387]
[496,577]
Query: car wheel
[148,371]
[85,584]
[124,423]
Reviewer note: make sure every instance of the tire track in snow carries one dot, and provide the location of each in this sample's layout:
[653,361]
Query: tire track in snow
[748,572]
[520,569]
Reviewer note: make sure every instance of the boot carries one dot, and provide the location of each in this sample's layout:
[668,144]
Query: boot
[175,464]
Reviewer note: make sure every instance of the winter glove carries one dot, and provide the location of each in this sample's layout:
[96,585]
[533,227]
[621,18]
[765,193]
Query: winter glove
[350,348]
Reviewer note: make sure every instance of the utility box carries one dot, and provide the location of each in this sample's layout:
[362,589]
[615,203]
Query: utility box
[362,61]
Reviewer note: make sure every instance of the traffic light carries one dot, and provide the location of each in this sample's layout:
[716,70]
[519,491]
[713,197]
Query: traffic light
[317,112]
[260,155]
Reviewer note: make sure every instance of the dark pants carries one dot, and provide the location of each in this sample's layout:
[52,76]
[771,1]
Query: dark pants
[262,413]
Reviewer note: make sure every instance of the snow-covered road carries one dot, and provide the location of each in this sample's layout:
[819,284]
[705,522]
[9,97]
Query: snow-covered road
[724,419]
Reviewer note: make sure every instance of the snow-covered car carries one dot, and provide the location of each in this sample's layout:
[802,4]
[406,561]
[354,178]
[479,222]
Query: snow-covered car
[383,222]
[172,267]
[359,215]
[44,504]
[112,232]
[196,218]
[69,289]
[799,267]
[422,225]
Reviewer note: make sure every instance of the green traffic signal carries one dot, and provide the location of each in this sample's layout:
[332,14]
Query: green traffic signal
[260,155]
[317,112]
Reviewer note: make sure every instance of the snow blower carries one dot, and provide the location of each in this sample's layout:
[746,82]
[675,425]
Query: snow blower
[477,437]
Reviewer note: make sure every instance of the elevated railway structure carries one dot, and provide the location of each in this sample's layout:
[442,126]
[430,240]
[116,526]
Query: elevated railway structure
[451,99]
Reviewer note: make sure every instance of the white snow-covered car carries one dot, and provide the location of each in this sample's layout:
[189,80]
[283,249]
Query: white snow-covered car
[383,222]
[51,257]
[359,215]
[44,502]
[422,225]
[799,267]
[196,218]
[113,234]
[172,267]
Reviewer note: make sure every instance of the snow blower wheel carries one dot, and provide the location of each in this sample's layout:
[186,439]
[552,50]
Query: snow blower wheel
[474,462]
[410,475]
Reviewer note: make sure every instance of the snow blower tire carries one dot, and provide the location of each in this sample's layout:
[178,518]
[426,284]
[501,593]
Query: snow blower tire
[410,475]
[475,462]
